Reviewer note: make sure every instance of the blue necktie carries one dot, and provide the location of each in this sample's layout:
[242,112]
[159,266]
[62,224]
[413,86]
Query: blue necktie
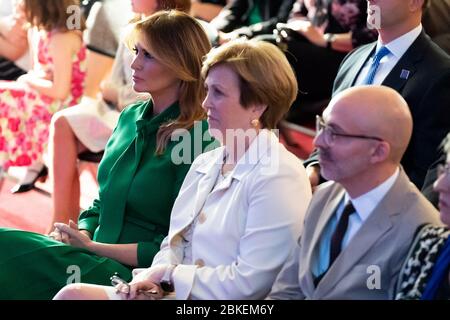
[337,237]
[382,52]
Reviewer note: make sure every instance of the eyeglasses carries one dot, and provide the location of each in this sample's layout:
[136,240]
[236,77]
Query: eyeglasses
[330,136]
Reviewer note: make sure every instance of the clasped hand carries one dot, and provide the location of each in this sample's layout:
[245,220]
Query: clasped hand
[145,284]
[70,234]
[307,29]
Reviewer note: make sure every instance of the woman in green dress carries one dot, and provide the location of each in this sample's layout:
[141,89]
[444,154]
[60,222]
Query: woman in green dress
[145,162]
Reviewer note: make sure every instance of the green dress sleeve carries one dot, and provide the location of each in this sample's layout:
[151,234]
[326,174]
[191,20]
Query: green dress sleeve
[147,250]
[89,218]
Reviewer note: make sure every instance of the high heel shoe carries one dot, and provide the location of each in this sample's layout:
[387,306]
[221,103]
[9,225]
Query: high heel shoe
[24,187]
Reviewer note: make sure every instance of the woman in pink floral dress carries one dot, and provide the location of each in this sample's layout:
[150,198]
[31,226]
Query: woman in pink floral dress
[55,81]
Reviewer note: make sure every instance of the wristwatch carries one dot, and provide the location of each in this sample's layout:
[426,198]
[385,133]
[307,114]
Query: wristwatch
[166,281]
[329,38]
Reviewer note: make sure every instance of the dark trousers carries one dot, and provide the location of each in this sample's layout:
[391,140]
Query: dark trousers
[9,70]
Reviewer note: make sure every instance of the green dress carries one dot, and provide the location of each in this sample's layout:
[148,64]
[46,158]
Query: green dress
[136,195]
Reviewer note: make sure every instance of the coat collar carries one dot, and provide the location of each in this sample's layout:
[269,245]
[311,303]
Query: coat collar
[211,166]
[378,223]
[260,146]
[408,62]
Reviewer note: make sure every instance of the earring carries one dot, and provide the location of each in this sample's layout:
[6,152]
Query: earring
[255,123]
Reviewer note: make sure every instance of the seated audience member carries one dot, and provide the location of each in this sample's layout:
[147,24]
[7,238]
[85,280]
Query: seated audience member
[405,59]
[139,176]
[425,274]
[14,58]
[436,22]
[88,126]
[56,81]
[241,206]
[250,18]
[428,189]
[206,9]
[360,225]
[105,24]
[316,38]
[101,44]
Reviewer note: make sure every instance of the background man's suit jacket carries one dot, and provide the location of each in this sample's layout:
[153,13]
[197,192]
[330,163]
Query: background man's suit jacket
[427,92]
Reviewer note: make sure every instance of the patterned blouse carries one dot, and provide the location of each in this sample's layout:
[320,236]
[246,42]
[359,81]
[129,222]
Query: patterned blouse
[420,262]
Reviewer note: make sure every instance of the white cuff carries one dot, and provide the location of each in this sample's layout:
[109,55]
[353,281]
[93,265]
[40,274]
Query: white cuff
[183,280]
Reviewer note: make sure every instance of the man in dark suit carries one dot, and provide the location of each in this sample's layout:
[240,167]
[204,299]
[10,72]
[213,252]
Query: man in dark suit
[412,65]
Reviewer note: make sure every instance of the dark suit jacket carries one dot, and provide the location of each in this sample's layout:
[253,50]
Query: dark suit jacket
[426,91]
[236,13]
[431,177]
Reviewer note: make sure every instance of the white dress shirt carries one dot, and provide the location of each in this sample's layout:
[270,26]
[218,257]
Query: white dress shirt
[397,48]
[364,206]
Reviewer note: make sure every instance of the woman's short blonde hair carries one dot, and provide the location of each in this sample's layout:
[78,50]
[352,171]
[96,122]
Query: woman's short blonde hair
[179,42]
[266,77]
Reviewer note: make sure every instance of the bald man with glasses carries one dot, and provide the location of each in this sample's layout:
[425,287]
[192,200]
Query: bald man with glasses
[360,224]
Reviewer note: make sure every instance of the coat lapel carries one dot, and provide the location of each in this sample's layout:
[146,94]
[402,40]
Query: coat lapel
[356,69]
[210,172]
[312,251]
[406,66]
[378,223]
[331,206]
[210,169]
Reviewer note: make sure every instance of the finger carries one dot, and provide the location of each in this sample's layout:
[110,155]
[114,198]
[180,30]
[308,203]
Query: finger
[61,226]
[65,238]
[122,288]
[133,291]
[55,236]
[155,292]
[64,228]
[73,225]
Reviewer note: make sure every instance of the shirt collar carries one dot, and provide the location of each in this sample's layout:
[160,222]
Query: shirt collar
[398,46]
[366,203]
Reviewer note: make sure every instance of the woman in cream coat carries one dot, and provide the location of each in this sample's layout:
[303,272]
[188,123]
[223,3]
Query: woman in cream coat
[241,207]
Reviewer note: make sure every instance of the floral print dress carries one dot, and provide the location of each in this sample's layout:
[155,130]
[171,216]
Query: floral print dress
[25,114]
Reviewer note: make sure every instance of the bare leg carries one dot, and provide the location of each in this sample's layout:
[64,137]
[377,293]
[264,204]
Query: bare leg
[64,148]
[84,291]
[2,176]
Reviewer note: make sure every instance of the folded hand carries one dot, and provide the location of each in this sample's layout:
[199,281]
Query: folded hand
[71,235]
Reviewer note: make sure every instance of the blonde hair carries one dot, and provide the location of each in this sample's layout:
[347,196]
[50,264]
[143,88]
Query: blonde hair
[50,14]
[265,75]
[180,5]
[179,42]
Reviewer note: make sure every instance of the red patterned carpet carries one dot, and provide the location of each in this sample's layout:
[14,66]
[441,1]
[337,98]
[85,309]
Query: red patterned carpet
[31,211]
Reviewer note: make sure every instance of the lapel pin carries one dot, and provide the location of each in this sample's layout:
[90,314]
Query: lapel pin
[404,74]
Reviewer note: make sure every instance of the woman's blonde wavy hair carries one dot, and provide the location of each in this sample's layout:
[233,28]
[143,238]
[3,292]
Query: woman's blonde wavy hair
[179,42]
[266,77]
